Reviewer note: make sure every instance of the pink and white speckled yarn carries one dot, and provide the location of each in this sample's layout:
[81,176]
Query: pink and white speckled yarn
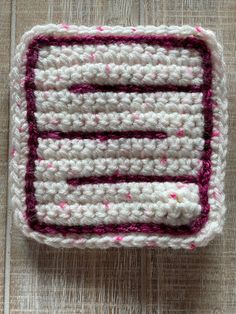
[119,136]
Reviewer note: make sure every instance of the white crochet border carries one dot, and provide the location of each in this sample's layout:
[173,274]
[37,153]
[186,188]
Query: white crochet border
[19,144]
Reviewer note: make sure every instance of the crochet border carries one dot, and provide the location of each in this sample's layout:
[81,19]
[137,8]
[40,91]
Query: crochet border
[160,234]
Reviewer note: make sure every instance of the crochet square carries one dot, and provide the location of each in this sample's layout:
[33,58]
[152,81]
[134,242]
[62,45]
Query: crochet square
[119,136]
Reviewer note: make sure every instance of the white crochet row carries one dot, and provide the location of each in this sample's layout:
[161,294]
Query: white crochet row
[173,213]
[117,74]
[65,101]
[125,121]
[58,192]
[56,170]
[132,54]
[171,146]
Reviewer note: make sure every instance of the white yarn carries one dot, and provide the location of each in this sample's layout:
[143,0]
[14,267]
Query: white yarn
[171,123]
[65,101]
[118,74]
[57,192]
[169,112]
[57,170]
[173,213]
[130,148]
[118,54]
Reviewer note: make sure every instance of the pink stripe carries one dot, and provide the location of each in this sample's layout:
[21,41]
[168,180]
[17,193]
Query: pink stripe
[103,136]
[204,173]
[94,88]
[118,178]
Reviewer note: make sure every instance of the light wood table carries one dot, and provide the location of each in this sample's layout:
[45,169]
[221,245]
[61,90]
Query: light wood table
[38,279]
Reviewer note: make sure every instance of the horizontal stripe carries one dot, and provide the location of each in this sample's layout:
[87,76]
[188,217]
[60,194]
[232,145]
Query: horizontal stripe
[104,135]
[54,56]
[119,178]
[175,212]
[125,121]
[55,170]
[139,148]
[118,74]
[94,88]
[60,192]
[64,100]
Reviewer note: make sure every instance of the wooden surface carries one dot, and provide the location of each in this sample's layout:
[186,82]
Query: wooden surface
[39,279]
[5,35]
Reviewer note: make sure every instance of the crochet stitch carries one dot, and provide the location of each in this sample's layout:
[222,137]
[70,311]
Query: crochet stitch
[119,136]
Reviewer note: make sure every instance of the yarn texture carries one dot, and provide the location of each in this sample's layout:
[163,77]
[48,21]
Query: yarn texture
[119,136]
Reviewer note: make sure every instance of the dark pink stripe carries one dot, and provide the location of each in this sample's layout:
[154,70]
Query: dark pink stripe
[149,228]
[94,88]
[203,176]
[103,136]
[167,41]
[118,178]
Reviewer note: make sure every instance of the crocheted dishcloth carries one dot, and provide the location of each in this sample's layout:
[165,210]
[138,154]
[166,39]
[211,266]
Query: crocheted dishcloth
[118,136]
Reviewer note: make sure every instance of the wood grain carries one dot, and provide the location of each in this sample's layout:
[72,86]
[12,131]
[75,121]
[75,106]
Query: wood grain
[5,31]
[46,280]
